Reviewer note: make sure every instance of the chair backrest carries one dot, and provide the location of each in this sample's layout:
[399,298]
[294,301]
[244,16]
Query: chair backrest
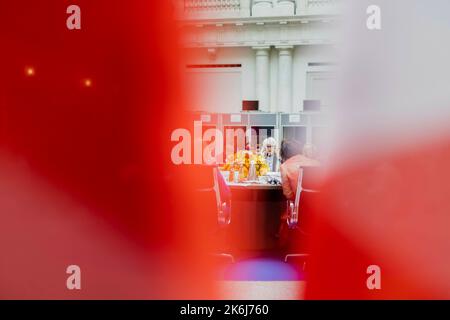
[312,178]
[309,181]
[202,184]
[202,178]
[309,189]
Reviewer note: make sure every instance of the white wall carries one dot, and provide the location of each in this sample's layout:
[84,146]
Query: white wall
[242,85]
[302,55]
[214,90]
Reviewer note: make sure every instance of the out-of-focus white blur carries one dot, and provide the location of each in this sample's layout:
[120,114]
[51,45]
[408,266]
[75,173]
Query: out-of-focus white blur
[393,88]
[390,137]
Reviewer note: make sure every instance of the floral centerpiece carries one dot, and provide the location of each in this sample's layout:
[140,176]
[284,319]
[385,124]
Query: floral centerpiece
[241,162]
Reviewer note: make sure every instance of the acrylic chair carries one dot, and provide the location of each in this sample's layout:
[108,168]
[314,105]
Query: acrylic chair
[308,190]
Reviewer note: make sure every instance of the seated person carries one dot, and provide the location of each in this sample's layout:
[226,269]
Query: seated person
[292,159]
[269,152]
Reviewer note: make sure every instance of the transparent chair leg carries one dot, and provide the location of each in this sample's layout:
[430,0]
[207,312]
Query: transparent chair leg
[224,255]
[297,255]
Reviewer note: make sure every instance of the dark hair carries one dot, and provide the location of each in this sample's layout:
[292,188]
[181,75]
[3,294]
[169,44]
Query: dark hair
[289,148]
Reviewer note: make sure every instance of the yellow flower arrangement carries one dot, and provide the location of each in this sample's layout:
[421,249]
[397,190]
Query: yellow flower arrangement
[241,161]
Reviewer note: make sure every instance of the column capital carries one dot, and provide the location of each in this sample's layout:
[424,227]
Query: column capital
[284,47]
[261,48]
[285,50]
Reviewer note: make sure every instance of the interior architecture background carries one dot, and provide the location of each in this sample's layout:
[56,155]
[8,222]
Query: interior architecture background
[278,52]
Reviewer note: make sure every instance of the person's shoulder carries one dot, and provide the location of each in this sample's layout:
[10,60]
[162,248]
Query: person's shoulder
[295,159]
[291,163]
[307,162]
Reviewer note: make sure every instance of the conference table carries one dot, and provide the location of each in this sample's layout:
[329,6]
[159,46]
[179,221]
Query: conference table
[256,211]
[253,186]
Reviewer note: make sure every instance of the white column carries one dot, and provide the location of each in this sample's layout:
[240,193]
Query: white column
[302,6]
[262,8]
[285,7]
[284,78]
[245,8]
[262,77]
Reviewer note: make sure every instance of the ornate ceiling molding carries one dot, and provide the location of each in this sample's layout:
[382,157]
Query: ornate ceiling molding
[293,31]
